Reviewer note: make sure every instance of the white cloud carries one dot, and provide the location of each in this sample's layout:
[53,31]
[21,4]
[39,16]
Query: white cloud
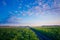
[23,14]
[56,3]
[55,7]
[29,13]
[14,20]
[28,6]
[36,10]
[46,7]
[42,7]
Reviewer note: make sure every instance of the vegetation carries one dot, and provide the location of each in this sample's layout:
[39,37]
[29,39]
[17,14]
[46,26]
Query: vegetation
[25,33]
[17,34]
[50,32]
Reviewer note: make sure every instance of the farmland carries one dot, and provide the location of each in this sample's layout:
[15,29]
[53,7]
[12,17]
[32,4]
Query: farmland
[30,33]
[53,33]
[17,34]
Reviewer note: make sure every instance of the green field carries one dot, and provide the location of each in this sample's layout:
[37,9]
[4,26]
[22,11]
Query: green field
[17,34]
[28,34]
[52,33]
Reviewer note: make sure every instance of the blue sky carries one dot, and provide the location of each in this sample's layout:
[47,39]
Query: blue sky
[29,12]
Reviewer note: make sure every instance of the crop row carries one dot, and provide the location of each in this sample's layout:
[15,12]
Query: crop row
[17,34]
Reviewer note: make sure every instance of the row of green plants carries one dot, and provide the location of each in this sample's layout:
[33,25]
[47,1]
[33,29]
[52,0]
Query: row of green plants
[51,33]
[17,34]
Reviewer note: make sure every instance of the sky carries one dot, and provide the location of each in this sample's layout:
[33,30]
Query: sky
[29,12]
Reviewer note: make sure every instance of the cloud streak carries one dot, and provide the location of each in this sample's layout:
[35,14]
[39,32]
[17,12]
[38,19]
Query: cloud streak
[14,20]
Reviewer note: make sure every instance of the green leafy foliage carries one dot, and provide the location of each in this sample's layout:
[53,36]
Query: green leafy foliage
[53,33]
[17,34]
